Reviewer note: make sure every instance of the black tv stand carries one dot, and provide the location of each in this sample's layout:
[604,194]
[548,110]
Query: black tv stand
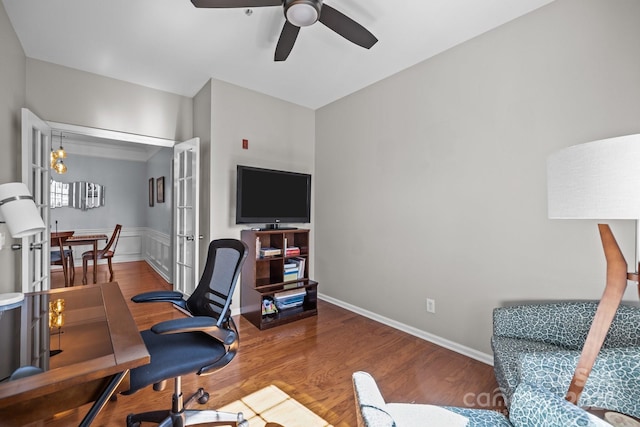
[269,227]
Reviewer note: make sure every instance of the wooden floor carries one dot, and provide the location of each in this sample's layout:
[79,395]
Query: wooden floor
[311,361]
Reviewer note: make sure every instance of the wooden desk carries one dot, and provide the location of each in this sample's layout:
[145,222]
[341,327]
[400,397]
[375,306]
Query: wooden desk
[100,343]
[80,240]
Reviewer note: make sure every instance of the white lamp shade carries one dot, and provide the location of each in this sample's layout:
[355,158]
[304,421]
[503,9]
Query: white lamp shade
[19,211]
[596,180]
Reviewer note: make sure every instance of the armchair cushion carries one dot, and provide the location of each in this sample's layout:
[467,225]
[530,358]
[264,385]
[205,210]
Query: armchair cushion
[614,382]
[407,414]
[507,353]
[535,406]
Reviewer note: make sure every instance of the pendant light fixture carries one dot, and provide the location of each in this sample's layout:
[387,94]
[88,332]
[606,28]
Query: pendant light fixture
[56,158]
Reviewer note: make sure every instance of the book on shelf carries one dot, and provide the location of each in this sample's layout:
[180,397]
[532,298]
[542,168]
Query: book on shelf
[300,263]
[290,275]
[292,251]
[269,251]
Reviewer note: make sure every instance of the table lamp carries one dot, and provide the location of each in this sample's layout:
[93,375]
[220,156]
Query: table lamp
[598,180]
[19,212]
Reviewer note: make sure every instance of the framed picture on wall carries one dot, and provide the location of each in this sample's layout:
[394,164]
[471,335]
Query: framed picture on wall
[160,192]
[150,191]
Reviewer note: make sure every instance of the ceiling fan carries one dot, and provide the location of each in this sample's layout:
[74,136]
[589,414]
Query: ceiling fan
[301,13]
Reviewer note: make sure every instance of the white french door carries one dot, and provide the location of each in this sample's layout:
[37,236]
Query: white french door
[186,161]
[36,149]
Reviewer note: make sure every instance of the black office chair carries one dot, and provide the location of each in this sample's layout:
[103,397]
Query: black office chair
[202,344]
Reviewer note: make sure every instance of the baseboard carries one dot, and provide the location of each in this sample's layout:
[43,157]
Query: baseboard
[161,273]
[442,342]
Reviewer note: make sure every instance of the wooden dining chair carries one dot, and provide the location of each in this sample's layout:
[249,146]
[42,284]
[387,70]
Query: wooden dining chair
[105,253]
[62,256]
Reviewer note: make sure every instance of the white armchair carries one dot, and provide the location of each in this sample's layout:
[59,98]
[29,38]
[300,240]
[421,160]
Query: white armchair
[531,407]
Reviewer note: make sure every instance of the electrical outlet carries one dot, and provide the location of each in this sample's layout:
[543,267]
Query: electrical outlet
[431,305]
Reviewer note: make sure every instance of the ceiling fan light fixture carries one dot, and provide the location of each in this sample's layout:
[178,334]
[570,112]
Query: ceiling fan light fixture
[302,13]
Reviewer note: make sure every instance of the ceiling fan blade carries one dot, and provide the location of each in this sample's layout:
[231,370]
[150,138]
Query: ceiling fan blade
[235,3]
[286,41]
[346,27]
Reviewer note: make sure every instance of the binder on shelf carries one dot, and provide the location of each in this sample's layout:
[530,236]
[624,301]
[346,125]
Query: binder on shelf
[290,294]
[289,299]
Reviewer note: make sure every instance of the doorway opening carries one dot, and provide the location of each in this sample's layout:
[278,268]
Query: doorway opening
[129,170]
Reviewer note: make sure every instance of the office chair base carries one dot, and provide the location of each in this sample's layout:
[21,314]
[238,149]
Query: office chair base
[185,417]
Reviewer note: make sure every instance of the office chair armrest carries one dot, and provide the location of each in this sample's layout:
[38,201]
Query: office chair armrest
[198,323]
[159,296]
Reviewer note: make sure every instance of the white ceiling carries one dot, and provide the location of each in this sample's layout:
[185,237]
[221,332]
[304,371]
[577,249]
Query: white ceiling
[173,46]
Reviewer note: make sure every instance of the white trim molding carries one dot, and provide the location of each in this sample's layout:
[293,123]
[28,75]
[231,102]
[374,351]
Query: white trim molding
[442,342]
[156,251]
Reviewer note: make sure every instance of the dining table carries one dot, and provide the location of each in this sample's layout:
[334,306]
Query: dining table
[88,239]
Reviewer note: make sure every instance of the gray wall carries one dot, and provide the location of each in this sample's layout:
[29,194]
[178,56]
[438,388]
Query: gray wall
[158,217]
[65,95]
[280,134]
[126,196]
[12,98]
[432,183]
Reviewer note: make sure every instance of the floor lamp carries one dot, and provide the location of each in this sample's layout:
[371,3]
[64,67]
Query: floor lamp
[598,180]
[19,212]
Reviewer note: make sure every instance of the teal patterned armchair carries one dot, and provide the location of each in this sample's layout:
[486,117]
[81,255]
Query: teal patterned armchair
[530,407]
[541,344]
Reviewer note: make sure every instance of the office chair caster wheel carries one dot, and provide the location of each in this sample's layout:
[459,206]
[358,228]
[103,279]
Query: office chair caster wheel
[204,398]
[131,423]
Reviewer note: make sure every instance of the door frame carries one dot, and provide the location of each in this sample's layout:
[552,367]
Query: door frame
[186,215]
[111,135]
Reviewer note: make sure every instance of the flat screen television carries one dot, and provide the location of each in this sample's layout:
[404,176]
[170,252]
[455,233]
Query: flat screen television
[272,197]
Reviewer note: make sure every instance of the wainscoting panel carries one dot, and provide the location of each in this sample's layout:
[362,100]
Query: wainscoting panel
[135,244]
[158,254]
